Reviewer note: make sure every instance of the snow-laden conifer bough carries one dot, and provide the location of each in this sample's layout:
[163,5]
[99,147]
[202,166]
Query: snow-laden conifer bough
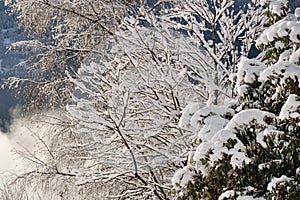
[252,150]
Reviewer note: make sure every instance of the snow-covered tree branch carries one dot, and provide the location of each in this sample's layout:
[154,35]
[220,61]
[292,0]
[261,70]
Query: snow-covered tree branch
[61,34]
[225,30]
[127,104]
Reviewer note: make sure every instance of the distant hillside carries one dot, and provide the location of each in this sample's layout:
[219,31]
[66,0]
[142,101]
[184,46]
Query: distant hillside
[9,33]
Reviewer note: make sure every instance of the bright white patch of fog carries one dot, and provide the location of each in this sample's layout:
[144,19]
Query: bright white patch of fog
[19,138]
[7,161]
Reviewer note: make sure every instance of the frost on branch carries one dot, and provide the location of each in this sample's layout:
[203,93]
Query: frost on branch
[225,30]
[62,33]
[127,103]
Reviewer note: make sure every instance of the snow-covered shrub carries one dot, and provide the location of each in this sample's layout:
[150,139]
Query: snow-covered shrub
[255,154]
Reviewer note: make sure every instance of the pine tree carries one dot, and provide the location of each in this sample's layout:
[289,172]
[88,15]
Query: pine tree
[253,151]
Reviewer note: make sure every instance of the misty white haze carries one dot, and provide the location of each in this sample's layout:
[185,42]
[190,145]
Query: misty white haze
[21,137]
[6,156]
[18,137]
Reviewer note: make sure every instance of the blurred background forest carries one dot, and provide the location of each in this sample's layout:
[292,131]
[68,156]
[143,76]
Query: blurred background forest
[8,60]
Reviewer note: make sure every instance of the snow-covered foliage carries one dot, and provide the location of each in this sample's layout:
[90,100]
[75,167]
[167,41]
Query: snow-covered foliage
[255,154]
[226,30]
[127,104]
[290,109]
[275,6]
[276,9]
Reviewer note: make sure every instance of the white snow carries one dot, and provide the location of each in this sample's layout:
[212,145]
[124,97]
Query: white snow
[288,26]
[202,150]
[238,158]
[297,12]
[246,197]
[279,45]
[276,181]
[263,39]
[226,194]
[212,125]
[248,72]
[240,195]
[298,170]
[275,5]
[207,118]
[260,136]
[282,69]
[246,117]
[295,33]
[213,119]
[230,194]
[295,56]
[217,131]
[216,146]
[285,56]
[187,114]
[267,164]
[182,177]
[291,108]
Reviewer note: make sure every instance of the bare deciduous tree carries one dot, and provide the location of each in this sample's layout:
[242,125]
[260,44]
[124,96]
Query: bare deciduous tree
[126,105]
[225,30]
[61,34]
